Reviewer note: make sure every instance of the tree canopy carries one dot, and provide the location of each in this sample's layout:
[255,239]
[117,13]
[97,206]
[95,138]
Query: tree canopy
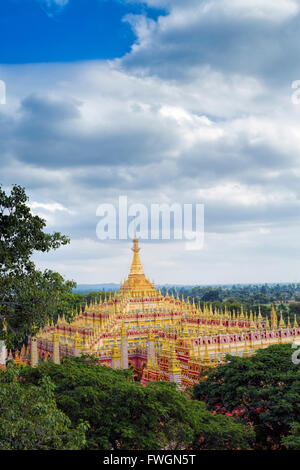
[30,419]
[28,297]
[262,390]
[122,414]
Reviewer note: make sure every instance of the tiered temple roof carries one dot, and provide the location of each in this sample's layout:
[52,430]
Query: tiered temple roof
[161,337]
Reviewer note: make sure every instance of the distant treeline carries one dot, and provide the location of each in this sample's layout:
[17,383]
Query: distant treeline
[284,297]
[250,294]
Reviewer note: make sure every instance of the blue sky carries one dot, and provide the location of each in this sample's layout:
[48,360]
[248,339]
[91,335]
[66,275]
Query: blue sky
[162,101]
[46,31]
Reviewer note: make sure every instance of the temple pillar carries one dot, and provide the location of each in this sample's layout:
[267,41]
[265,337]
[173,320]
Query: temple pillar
[124,348]
[3,354]
[56,356]
[116,356]
[3,350]
[151,349]
[77,345]
[34,352]
[174,369]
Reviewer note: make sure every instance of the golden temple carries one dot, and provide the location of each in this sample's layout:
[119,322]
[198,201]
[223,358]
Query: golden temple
[160,337]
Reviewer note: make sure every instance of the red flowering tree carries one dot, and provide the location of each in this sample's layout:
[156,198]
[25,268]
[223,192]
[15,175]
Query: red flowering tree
[262,391]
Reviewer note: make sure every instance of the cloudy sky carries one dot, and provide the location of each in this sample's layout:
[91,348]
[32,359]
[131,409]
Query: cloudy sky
[162,101]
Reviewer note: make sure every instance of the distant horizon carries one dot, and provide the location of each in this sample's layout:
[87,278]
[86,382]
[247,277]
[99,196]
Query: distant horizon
[194,285]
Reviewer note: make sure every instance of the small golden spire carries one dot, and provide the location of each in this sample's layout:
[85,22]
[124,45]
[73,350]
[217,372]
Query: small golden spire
[259,314]
[192,352]
[164,349]
[295,321]
[242,313]
[223,356]
[55,335]
[216,358]
[274,319]
[150,334]
[77,343]
[149,365]
[17,359]
[206,359]
[174,366]
[252,324]
[116,353]
[23,352]
[281,322]
[246,352]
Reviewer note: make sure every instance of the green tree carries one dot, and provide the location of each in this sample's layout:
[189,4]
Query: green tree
[30,419]
[292,440]
[262,390]
[28,296]
[123,414]
[217,432]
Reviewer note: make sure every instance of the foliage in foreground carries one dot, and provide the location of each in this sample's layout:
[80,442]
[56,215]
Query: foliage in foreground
[123,414]
[292,440]
[262,391]
[30,419]
[29,298]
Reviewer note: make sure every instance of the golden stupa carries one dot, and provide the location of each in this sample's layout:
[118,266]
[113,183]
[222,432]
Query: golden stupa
[160,337]
[136,283]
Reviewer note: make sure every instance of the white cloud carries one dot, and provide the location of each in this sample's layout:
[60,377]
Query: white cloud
[242,195]
[266,10]
[50,3]
[228,35]
[264,231]
[179,119]
[257,9]
[50,212]
[194,128]
[51,207]
[52,7]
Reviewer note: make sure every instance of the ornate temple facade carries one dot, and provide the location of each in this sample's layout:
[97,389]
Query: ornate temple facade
[160,337]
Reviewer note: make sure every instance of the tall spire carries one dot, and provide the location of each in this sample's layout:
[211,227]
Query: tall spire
[137,284]
[136,265]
